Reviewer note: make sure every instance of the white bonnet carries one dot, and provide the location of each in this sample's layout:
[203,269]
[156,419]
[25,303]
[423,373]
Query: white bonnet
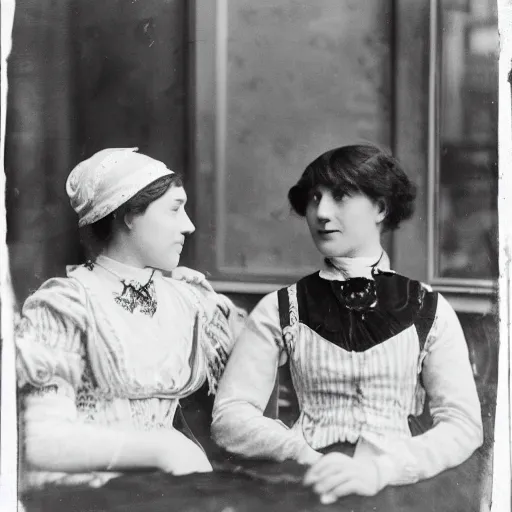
[102,183]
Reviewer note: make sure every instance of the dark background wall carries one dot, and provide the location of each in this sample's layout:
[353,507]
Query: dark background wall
[84,76]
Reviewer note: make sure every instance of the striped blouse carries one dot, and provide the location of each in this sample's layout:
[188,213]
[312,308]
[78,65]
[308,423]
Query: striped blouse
[345,395]
[363,397]
[90,353]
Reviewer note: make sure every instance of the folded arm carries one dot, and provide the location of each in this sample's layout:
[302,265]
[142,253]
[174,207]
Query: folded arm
[454,405]
[55,440]
[244,391]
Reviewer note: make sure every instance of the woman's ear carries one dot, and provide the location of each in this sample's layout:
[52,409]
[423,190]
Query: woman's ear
[128,220]
[382,210]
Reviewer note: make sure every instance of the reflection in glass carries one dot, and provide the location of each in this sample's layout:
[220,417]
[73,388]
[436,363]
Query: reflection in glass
[467,244]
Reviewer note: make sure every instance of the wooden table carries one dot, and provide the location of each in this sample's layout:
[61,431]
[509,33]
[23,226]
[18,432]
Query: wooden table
[257,487]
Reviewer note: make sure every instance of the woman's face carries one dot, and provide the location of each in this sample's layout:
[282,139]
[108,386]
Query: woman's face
[157,235]
[344,227]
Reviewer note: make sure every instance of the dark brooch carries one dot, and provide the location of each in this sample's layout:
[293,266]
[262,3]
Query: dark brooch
[357,293]
[89,265]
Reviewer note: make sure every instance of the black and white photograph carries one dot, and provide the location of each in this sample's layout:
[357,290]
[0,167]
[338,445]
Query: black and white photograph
[255,255]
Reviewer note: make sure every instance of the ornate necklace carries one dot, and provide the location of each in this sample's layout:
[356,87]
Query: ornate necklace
[135,295]
[357,293]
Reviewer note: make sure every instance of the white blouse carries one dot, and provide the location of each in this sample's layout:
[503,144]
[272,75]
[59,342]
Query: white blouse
[89,353]
[359,397]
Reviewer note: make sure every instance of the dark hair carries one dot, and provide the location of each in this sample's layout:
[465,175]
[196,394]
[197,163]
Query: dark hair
[362,168]
[97,235]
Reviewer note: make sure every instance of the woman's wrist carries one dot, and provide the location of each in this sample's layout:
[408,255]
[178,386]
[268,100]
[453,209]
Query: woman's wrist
[177,454]
[308,456]
[385,470]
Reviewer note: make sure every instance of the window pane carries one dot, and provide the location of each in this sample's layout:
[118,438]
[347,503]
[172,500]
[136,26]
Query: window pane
[467,242]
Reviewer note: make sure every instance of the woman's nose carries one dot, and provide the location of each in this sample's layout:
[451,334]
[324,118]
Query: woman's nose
[324,209]
[188,227]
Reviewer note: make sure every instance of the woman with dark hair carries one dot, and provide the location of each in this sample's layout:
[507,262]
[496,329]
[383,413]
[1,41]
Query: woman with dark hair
[105,354]
[367,348]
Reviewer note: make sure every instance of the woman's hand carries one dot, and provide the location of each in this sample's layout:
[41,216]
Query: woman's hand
[191,276]
[308,456]
[180,456]
[336,475]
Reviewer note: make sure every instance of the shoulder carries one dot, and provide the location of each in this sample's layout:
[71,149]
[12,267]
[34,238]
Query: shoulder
[312,284]
[62,298]
[189,282]
[310,279]
[399,285]
[199,294]
[268,303]
[189,275]
[426,287]
[49,333]
[266,312]
[444,310]
[56,290]
[192,294]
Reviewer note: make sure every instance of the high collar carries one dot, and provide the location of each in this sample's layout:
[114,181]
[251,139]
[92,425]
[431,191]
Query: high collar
[398,305]
[340,269]
[126,272]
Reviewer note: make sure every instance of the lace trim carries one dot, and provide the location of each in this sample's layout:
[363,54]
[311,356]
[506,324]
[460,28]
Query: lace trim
[52,389]
[290,331]
[87,396]
[150,415]
[215,329]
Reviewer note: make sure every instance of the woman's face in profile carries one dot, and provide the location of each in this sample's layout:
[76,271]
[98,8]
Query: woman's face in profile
[347,226]
[158,234]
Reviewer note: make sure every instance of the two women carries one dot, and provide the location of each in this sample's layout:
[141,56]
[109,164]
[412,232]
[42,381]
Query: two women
[366,347]
[106,353]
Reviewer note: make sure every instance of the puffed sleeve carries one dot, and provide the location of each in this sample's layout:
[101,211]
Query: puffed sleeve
[49,344]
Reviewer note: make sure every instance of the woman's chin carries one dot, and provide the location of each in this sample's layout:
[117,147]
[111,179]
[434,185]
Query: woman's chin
[327,250]
[166,266]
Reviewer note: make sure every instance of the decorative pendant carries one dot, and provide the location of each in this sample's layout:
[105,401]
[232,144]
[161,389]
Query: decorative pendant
[136,295]
[357,294]
[89,265]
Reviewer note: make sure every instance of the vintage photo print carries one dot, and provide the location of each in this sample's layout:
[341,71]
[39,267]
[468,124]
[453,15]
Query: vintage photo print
[255,255]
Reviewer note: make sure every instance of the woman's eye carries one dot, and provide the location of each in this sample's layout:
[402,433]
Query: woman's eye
[340,196]
[316,197]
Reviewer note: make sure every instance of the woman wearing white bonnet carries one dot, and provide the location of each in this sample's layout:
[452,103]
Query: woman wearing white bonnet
[106,353]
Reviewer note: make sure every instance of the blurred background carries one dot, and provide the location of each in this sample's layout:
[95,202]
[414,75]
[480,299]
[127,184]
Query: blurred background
[240,96]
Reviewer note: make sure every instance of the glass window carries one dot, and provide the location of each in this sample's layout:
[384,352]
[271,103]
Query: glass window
[466,244]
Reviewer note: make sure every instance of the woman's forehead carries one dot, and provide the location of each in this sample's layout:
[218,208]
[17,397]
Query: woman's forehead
[176,194]
[324,189]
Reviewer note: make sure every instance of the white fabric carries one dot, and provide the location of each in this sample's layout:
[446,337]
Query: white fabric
[359,394]
[240,427]
[340,269]
[92,363]
[131,354]
[102,183]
